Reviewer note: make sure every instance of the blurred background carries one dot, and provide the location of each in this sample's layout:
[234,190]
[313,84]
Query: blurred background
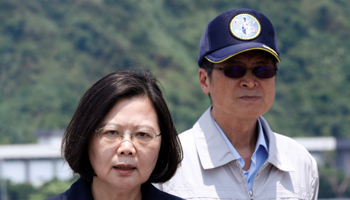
[52,51]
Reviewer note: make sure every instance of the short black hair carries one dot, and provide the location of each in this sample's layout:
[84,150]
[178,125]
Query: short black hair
[97,102]
[207,66]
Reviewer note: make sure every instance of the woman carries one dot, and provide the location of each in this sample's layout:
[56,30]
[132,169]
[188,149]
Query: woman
[120,140]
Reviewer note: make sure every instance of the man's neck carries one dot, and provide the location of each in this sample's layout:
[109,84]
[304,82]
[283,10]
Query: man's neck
[242,133]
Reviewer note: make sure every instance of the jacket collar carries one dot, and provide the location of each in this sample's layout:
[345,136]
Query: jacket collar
[211,147]
[81,189]
[278,152]
[214,152]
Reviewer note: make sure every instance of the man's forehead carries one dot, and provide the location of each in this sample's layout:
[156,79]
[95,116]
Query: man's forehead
[258,56]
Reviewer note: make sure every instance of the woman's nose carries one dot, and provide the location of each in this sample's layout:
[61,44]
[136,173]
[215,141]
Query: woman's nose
[126,147]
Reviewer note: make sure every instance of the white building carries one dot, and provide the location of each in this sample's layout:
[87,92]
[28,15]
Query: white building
[35,163]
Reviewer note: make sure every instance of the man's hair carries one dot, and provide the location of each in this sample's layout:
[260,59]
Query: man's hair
[207,66]
[97,102]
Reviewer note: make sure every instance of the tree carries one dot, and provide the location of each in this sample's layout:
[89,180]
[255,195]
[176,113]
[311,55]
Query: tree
[51,188]
[19,191]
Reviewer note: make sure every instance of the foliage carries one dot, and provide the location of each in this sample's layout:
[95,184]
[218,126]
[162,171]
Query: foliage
[333,182]
[19,191]
[28,191]
[51,188]
[51,52]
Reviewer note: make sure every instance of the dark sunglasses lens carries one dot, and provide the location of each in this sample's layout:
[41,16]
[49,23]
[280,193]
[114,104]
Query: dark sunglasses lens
[235,72]
[264,72]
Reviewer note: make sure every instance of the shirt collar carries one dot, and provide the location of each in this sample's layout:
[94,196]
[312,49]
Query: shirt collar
[260,142]
[278,151]
[261,138]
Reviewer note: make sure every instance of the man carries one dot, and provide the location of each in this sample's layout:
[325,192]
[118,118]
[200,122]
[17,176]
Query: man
[231,152]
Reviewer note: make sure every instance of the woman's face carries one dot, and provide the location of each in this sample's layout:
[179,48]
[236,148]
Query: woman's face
[126,163]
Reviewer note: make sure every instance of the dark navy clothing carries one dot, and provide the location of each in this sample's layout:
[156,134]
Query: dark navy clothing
[81,190]
[149,192]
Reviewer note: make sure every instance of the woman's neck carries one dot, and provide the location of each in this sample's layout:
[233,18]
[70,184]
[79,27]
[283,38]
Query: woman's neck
[103,191]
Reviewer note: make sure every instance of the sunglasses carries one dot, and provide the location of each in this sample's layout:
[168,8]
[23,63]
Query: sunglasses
[238,72]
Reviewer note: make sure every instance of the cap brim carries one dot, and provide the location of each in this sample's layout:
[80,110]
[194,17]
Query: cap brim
[228,52]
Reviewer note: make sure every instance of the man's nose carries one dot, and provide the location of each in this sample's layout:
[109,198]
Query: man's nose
[249,80]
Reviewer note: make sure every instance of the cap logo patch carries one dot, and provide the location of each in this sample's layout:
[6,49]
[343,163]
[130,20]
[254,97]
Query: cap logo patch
[245,27]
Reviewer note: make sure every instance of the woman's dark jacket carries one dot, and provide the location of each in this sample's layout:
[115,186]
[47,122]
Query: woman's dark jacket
[81,190]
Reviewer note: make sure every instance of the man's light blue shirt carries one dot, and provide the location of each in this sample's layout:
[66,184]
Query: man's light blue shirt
[258,158]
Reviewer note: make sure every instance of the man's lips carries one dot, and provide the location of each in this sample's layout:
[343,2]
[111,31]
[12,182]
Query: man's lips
[249,97]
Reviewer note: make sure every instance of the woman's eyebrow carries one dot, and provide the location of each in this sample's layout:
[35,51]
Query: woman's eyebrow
[106,124]
[138,127]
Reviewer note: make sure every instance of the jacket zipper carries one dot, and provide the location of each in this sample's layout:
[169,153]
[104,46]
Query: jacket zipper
[250,193]
[256,176]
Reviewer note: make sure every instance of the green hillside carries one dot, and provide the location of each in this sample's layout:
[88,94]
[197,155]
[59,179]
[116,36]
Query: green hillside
[52,51]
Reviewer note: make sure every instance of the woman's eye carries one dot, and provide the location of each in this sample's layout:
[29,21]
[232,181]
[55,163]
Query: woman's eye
[112,132]
[142,134]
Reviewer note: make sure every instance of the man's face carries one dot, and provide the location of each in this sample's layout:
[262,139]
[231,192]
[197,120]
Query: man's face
[242,98]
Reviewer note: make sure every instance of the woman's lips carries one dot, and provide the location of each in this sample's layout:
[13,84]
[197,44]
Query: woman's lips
[124,169]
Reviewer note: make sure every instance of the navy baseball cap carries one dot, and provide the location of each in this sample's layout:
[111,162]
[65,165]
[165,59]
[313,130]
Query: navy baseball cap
[237,31]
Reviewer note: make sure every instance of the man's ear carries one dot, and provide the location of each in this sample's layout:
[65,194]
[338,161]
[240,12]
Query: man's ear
[204,80]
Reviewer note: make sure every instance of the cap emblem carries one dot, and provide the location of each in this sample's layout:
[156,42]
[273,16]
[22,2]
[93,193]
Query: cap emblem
[245,27]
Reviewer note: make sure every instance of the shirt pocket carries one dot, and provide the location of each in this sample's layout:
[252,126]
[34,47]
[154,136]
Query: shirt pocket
[281,193]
